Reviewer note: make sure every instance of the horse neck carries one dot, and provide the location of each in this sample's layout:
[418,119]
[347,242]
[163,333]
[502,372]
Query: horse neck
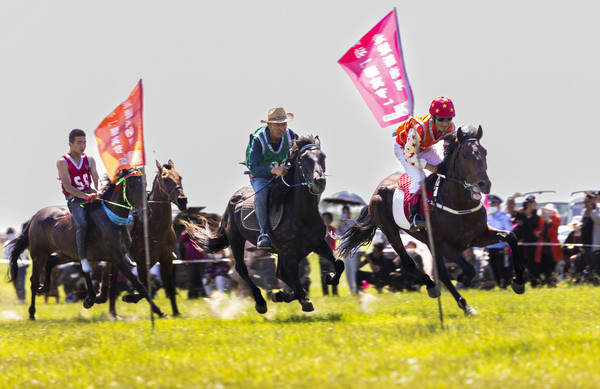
[118,198]
[454,193]
[159,202]
[305,204]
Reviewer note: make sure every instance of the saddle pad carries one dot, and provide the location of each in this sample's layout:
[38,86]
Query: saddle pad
[249,220]
[401,201]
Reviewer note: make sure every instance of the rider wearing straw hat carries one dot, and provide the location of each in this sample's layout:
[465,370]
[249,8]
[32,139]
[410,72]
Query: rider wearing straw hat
[414,149]
[269,148]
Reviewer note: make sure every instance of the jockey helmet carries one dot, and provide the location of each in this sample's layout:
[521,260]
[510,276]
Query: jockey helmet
[442,107]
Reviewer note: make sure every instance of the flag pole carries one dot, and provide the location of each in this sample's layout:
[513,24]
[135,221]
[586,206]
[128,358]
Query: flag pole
[147,243]
[434,266]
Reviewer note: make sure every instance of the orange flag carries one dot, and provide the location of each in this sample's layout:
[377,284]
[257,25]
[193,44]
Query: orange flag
[120,135]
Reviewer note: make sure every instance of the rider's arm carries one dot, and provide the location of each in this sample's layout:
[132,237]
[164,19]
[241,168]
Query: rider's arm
[411,154]
[254,161]
[65,178]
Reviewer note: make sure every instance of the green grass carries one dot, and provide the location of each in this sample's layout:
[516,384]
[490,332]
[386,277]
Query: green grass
[546,338]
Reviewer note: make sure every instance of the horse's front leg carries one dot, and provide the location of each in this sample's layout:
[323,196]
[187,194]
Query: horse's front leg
[289,273]
[442,250]
[121,264]
[325,251]
[492,236]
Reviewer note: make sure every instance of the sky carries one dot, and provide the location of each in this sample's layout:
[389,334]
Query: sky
[526,71]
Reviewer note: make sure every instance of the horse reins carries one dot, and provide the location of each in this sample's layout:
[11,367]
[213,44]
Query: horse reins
[306,182]
[124,181]
[177,187]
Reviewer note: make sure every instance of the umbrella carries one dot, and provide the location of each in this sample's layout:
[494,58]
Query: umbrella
[345,198]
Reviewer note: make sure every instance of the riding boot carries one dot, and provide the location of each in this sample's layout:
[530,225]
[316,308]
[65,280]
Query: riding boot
[264,238]
[416,220]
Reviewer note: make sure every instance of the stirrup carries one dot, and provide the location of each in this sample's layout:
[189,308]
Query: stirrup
[264,242]
[416,225]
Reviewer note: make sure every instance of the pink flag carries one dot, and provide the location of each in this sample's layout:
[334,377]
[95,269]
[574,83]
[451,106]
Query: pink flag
[376,67]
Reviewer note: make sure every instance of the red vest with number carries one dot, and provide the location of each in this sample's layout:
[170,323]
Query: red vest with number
[80,175]
[424,124]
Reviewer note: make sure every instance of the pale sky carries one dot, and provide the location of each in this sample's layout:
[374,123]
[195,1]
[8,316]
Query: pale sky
[527,71]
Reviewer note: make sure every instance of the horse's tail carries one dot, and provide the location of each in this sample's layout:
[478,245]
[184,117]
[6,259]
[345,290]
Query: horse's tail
[360,234]
[18,245]
[204,236]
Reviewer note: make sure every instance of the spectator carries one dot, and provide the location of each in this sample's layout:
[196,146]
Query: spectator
[216,273]
[155,279]
[590,235]
[546,255]
[326,265]
[573,255]
[510,208]
[351,260]
[22,265]
[381,265]
[402,280]
[526,221]
[498,253]
[194,266]
[484,276]
[262,268]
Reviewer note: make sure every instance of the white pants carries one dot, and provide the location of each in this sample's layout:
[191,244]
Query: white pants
[433,155]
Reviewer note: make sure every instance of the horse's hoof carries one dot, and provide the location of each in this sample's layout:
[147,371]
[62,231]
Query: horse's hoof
[331,279]
[101,299]
[434,292]
[132,298]
[88,303]
[307,306]
[32,317]
[470,311]
[262,309]
[162,315]
[277,297]
[518,288]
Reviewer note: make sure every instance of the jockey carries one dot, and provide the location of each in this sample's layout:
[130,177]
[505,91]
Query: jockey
[414,149]
[77,172]
[269,148]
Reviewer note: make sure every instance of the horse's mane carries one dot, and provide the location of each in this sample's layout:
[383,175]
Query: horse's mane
[280,191]
[108,187]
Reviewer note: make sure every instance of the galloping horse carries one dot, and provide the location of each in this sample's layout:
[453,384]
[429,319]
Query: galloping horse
[301,229]
[51,230]
[166,189]
[458,220]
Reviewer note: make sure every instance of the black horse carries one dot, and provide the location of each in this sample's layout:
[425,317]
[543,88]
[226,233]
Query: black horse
[458,220]
[300,231]
[51,230]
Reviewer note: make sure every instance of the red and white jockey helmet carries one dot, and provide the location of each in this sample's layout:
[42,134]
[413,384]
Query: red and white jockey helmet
[442,107]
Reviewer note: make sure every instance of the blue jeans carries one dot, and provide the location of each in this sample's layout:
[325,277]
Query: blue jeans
[260,200]
[81,223]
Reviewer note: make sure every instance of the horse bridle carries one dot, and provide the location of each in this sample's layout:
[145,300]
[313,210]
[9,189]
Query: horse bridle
[177,187]
[306,181]
[458,180]
[123,180]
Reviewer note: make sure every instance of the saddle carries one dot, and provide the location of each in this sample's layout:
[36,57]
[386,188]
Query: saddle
[249,220]
[404,185]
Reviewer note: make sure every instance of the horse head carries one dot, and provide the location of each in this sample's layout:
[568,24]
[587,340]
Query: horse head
[466,160]
[169,183]
[307,163]
[128,189]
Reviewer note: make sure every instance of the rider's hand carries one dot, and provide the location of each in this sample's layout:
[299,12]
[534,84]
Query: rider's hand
[279,170]
[92,197]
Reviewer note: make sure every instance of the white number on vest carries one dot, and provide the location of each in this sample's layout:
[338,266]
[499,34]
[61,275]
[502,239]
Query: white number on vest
[79,184]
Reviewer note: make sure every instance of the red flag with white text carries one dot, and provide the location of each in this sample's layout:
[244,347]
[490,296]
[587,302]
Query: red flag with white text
[120,135]
[376,66]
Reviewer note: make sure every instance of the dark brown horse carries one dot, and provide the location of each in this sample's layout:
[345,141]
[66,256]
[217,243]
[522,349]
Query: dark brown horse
[300,231]
[457,219]
[51,230]
[166,190]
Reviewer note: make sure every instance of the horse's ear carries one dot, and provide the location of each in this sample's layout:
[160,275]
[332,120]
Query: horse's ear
[317,140]
[171,164]
[460,134]
[158,165]
[479,132]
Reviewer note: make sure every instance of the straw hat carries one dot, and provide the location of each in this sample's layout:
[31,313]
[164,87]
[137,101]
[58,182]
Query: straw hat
[278,115]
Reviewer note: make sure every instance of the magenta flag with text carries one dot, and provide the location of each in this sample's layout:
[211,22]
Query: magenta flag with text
[376,66]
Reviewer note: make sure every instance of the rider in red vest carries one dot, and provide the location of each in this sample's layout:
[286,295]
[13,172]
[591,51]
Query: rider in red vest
[414,148]
[77,173]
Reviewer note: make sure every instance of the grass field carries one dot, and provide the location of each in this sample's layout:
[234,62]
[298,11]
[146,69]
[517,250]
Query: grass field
[546,338]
